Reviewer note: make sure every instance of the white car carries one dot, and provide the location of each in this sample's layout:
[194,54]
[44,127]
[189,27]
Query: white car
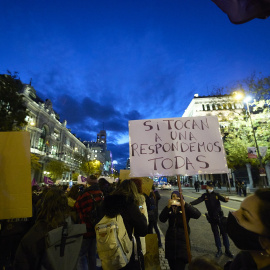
[166,186]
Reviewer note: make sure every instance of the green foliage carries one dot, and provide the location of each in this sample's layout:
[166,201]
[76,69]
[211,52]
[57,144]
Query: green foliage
[91,167]
[75,176]
[56,169]
[12,108]
[35,165]
[258,87]
[239,134]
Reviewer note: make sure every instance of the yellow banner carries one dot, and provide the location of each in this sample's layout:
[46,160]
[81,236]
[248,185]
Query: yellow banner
[15,174]
[147,182]
[151,258]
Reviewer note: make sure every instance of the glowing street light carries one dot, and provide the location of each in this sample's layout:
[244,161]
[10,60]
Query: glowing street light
[240,96]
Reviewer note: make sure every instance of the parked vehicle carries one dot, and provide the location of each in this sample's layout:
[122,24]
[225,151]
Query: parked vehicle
[166,186]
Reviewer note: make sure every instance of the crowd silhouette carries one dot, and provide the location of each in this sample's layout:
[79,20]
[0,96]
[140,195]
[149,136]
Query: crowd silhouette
[23,242]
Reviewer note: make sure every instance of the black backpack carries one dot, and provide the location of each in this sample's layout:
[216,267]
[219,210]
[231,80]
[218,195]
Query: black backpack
[96,213]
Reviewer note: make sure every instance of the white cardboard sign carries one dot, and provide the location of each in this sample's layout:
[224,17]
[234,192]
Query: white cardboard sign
[176,146]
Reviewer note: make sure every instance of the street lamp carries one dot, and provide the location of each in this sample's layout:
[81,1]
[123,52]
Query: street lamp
[247,100]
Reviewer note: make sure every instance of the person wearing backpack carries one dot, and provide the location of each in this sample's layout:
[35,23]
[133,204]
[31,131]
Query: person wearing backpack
[53,213]
[88,208]
[125,201]
[152,208]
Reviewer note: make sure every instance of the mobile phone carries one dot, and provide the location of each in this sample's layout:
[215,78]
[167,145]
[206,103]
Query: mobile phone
[175,202]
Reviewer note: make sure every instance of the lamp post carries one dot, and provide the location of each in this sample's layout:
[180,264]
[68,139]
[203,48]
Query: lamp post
[246,100]
[240,96]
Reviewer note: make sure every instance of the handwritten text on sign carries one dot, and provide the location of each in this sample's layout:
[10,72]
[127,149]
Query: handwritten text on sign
[188,145]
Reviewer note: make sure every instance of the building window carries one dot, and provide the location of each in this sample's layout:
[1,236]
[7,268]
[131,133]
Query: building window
[54,150]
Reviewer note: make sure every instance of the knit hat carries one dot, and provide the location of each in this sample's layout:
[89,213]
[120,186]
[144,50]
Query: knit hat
[176,192]
[91,180]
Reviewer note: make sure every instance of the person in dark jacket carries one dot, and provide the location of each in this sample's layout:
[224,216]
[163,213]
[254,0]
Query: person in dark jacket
[175,242]
[244,188]
[214,217]
[125,201]
[105,186]
[53,213]
[85,207]
[154,196]
[197,186]
[249,229]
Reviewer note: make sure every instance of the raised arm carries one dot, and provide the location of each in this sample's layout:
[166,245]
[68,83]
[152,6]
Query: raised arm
[197,201]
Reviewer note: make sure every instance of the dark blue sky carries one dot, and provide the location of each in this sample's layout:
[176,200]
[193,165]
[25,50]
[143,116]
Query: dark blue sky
[110,61]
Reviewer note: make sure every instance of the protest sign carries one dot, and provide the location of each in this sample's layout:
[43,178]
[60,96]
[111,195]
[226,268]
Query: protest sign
[252,152]
[15,167]
[81,180]
[147,182]
[174,146]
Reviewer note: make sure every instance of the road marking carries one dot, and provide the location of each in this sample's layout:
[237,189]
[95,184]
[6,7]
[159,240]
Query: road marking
[190,197]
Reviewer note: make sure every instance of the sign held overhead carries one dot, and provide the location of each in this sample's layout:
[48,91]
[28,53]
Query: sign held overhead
[174,146]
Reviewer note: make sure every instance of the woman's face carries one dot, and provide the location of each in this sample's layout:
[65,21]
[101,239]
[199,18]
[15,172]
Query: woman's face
[248,215]
[175,197]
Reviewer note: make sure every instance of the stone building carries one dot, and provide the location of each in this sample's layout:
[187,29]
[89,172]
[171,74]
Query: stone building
[224,107]
[97,150]
[52,140]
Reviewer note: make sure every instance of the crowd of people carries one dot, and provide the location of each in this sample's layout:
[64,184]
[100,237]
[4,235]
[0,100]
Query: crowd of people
[22,242]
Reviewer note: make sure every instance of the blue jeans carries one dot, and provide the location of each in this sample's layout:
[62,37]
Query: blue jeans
[87,257]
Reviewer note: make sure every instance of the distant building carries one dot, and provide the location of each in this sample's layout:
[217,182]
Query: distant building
[50,139]
[98,151]
[222,106]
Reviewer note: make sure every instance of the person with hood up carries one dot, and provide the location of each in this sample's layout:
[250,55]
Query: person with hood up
[175,241]
[125,201]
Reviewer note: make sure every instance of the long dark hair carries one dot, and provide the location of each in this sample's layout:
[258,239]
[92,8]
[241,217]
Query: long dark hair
[129,189]
[54,208]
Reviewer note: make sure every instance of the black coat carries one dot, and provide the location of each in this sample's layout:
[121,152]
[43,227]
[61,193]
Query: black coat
[212,203]
[175,242]
[243,261]
[31,248]
[135,222]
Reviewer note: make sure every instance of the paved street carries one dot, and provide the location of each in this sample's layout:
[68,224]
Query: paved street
[202,239]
